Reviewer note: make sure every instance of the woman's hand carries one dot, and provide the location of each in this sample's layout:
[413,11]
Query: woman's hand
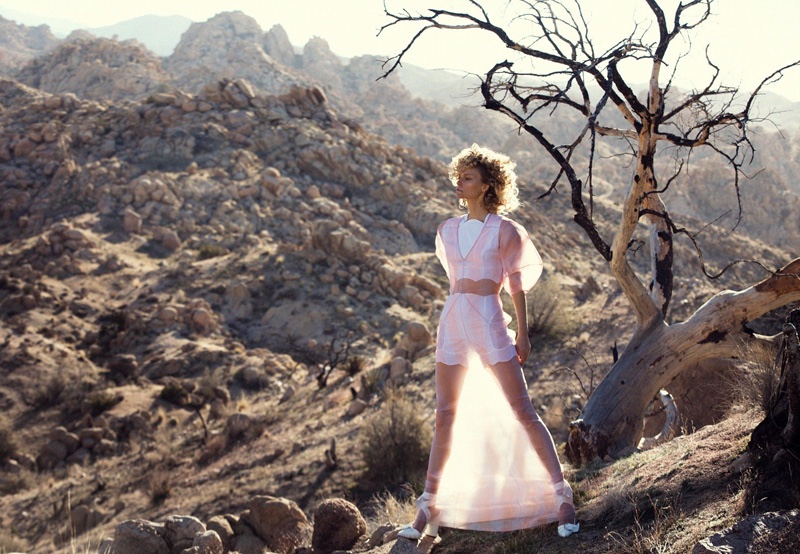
[523,347]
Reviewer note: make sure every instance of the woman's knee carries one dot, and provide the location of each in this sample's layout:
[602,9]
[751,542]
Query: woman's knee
[524,411]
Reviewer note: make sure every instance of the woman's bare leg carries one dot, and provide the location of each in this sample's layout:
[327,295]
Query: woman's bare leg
[449,380]
[512,381]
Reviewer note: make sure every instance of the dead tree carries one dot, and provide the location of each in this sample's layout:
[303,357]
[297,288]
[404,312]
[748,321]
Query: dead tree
[568,75]
[338,353]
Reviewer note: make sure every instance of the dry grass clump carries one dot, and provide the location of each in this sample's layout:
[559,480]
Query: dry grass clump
[386,508]
[101,401]
[50,393]
[159,485]
[650,532]
[8,443]
[753,384]
[355,365]
[550,309]
[395,441]
[371,381]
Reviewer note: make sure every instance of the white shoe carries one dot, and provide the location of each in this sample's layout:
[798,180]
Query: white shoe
[408,532]
[564,495]
[424,503]
[566,529]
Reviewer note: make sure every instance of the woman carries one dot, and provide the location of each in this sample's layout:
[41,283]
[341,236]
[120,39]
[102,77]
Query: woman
[493,465]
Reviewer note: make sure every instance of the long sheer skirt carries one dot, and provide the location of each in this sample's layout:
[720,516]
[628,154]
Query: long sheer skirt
[493,464]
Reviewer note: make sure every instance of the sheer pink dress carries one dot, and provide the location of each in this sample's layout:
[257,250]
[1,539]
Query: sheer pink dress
[488,458]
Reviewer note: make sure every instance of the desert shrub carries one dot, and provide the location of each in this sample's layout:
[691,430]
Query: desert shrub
[550,309]
[174,393]
[208,251]
[208,383]
[753,383]
[355,365]
[159,485]
[395,441]
[371,380]
[8,443]
[50,393]
[101,401]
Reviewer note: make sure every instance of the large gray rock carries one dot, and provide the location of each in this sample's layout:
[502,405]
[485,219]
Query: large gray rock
[741,538]
[337,526]
[138,536]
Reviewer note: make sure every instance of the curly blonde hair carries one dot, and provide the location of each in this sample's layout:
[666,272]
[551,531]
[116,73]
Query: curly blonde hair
[497,171]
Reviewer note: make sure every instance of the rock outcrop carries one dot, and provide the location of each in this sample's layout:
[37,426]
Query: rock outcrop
[20,43]
[97,69]
[230,45]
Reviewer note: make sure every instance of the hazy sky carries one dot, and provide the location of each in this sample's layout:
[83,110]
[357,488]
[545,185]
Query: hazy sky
[748,38]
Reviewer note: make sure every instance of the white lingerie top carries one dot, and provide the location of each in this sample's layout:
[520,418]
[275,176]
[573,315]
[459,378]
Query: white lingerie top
[502,256]
[468,233]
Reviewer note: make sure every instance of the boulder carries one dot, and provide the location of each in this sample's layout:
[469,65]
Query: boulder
[278,521]
[138,536]
[222,527]
[337,526]
[206,543]
[400,367]
[182,530]
[418,337]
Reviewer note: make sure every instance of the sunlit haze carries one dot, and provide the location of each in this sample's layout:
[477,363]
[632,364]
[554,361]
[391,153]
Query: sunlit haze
[745,42]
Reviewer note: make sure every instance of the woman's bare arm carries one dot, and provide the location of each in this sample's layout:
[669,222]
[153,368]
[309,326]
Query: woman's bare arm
[523,343]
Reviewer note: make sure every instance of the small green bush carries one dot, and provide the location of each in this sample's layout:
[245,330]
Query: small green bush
[395,441]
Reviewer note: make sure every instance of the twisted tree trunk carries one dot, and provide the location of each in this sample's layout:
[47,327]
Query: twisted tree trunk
[657,353]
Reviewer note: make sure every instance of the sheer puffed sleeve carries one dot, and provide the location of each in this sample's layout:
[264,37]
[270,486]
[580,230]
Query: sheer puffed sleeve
[440,252]
[522,265]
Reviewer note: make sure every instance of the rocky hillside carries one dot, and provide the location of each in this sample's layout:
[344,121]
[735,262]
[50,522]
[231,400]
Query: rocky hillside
[232,45]
[19,44]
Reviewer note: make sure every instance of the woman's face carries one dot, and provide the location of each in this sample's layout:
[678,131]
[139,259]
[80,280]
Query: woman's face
[470,185]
